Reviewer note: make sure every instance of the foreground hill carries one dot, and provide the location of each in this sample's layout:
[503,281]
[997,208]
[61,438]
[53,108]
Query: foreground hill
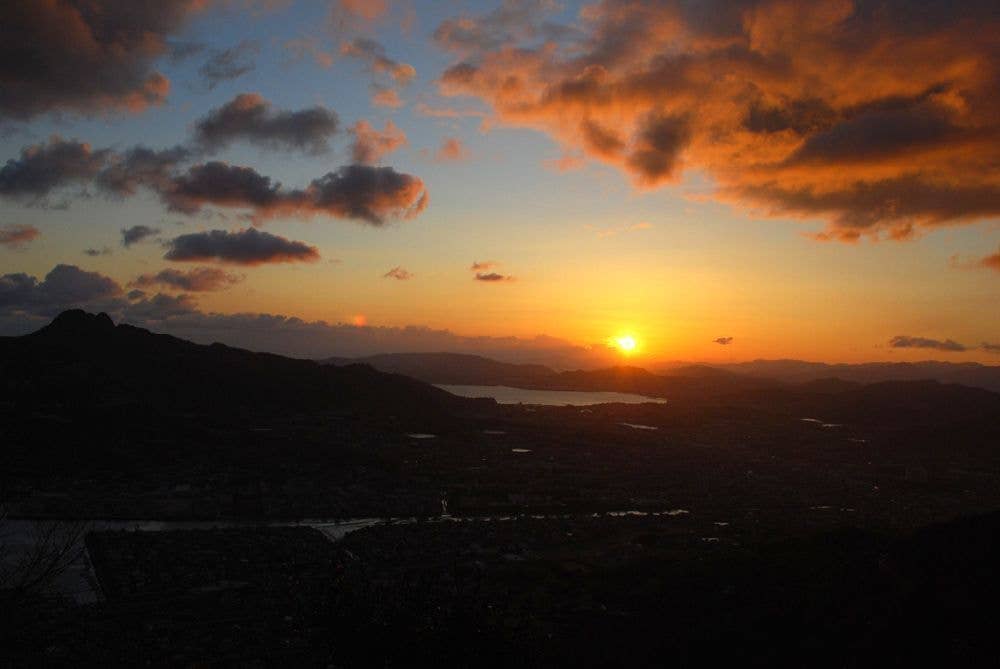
[106,421]
[84,360]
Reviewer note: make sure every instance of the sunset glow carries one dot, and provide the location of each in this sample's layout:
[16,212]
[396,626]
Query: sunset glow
[514,177]
[626,344]
[558,333]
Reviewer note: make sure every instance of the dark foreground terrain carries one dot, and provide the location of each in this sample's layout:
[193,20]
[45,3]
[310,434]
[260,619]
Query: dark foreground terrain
[733,531]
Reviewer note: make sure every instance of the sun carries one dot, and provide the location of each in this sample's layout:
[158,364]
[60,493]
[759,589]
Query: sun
[625,343]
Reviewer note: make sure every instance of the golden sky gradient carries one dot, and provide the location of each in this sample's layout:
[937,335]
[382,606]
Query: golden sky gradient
[720,181]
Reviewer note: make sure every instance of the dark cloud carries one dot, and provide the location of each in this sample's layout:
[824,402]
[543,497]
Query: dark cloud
[723,341]
[992,348]
[84,56]
[398,273]
[137,233]
[370,143]
[244,247]
[903,341]
[199,279]
[139,167]
[889,205]
[17,236]
[64,287]
[363,192]
[220,184]
[94,253]
[179,51]
[160,307]
[43,168]
[802,116]
[656,150]
[249,117]
[492,277]
[229,64]
[135,294]
[878,134]
[883,148]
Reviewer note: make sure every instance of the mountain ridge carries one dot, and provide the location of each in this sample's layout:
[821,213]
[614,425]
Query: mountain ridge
[83,359]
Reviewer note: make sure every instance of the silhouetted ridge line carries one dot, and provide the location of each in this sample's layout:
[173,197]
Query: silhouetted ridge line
[77,322]
[453,368]
[84,360]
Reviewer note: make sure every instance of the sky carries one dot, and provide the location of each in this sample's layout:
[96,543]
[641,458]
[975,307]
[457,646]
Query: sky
[536,180]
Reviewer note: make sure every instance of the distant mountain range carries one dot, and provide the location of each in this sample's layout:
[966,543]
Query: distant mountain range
[969,374]
[454,368]
[693,381]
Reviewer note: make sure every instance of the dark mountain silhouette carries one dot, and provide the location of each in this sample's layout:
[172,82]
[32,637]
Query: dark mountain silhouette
[798,371]
[84,360]
[453,368]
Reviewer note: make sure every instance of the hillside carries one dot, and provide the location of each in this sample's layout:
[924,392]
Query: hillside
[84,360]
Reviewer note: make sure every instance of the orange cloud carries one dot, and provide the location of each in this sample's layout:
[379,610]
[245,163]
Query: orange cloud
[451,150]
[878,121]
[368,10]
[446,112]
[386,97]
[617,230]
[370,144]
[991,262]
[17,236]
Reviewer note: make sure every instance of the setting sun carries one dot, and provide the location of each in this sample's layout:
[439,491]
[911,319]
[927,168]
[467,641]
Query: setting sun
[626,344]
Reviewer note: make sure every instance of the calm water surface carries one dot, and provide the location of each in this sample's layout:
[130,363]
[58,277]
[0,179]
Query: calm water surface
[508,395]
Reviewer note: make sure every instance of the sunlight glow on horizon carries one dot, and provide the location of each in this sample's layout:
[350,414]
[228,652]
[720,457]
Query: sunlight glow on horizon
[625,343]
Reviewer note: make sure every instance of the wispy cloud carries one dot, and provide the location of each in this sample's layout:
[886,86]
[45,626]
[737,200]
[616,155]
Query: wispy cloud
[398,273]
[624,228]
[17,236]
